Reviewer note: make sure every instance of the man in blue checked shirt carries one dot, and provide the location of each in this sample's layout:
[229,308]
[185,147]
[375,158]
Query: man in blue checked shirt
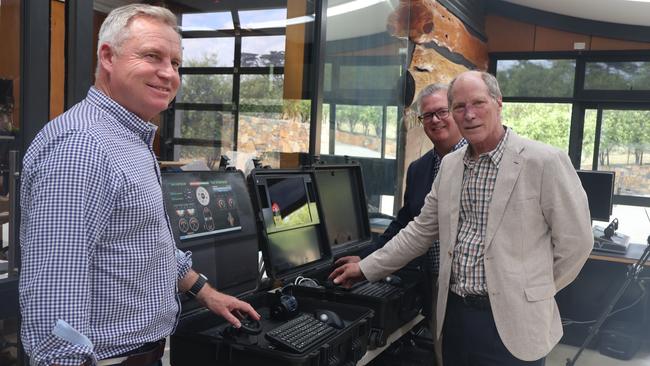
[100,271]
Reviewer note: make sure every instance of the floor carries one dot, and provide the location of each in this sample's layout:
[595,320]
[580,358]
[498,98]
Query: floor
[561,353]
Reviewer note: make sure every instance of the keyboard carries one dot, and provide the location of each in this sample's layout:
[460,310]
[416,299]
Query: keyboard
[300,333]
[375,289]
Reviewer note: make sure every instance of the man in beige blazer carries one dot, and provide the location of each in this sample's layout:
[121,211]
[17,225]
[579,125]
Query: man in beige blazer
[514,228]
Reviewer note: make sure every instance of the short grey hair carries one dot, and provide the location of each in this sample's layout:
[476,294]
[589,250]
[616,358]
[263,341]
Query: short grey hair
[489,80]
[116,28]
[428,90]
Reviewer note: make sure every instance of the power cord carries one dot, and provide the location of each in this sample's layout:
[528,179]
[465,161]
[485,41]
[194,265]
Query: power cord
[566,321]
[305,281]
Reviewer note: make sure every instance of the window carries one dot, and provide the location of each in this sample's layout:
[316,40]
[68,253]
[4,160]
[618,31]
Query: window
[631,75]
[364,68]
[624,141]
[235,95]
[536,78]
[545,122]
[607,113]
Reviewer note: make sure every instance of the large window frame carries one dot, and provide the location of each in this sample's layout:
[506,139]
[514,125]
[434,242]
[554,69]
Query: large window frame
[236,71]
[583,99]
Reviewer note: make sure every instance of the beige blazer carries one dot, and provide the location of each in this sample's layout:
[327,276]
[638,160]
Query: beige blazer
[537,239]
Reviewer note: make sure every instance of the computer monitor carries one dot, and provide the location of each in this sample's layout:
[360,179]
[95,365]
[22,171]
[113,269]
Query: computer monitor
[599,186]
[341,200]
[200,204]
[290,220]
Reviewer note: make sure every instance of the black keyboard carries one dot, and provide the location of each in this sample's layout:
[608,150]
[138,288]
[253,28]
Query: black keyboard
[376,289]
[300,333]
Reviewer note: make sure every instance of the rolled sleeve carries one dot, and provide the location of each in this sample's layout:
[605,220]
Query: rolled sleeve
[183,263]
[64,346]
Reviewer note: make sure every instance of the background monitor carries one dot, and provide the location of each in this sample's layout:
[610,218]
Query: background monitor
[599,186]
[340,203]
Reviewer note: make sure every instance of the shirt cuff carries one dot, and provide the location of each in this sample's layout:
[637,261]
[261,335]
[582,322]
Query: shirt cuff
[64,346]
[183,263]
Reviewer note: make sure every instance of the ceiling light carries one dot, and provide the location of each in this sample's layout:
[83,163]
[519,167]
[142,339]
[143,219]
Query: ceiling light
[351,6]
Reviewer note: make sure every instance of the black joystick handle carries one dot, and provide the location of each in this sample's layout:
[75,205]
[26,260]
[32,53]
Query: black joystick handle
[248,326]
[610,230]
[251,326]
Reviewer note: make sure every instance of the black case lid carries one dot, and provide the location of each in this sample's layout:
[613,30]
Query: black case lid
[342,196]
[290,247]
[211,215]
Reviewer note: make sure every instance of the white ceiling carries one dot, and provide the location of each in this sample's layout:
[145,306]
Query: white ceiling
[634,12]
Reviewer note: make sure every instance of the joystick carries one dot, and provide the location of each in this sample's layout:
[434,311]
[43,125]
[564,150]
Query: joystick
[248,326]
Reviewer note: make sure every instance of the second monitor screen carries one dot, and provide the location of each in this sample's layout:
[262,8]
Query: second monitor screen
[290,205]
[290,218]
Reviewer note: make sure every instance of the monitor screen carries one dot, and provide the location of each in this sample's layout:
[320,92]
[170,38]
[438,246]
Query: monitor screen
[293,248]
[339,198]
[290,219]
[199,205]
[599,186]
[289,204]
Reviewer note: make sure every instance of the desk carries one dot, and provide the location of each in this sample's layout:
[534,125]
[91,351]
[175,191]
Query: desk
[634,252]
[596,284]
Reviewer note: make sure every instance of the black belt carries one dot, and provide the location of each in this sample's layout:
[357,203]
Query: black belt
[142,356]
[472,301]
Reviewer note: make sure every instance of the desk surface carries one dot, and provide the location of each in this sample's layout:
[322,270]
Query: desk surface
[634,252]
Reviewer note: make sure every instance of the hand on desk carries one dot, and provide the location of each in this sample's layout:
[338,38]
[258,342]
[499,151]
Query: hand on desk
[347,275]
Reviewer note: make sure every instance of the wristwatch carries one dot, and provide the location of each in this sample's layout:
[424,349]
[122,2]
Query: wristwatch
[197,286]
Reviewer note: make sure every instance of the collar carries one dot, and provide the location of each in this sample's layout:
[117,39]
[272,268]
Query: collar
[145,130]
[495,155]
[462,142]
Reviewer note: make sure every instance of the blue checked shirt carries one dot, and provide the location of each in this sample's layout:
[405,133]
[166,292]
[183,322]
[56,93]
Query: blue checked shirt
[479,177]
[99,263]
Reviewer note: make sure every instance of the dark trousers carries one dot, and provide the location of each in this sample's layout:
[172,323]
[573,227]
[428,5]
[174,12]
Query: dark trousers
[470,338]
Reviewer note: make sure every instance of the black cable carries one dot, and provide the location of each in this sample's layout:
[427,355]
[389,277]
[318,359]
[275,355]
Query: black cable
[636,301]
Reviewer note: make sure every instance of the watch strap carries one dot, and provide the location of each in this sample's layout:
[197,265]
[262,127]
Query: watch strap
[197,286]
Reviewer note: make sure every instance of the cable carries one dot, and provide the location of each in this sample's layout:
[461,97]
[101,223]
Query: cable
[305,281]
[567,321]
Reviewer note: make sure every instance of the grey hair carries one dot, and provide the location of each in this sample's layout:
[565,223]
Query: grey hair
[429,90]
[490,82]
[116,28]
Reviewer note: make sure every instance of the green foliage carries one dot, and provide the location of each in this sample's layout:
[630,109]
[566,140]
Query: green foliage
[349,117]
[617,76]
[538,78]
[548,123]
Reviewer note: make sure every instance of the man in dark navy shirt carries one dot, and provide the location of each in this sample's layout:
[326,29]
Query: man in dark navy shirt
[440,128]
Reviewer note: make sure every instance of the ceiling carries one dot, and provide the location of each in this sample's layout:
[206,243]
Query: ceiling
[632,12]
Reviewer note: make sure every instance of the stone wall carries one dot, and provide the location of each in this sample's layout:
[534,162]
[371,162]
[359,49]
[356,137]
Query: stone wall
[369,142]
[258,136]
